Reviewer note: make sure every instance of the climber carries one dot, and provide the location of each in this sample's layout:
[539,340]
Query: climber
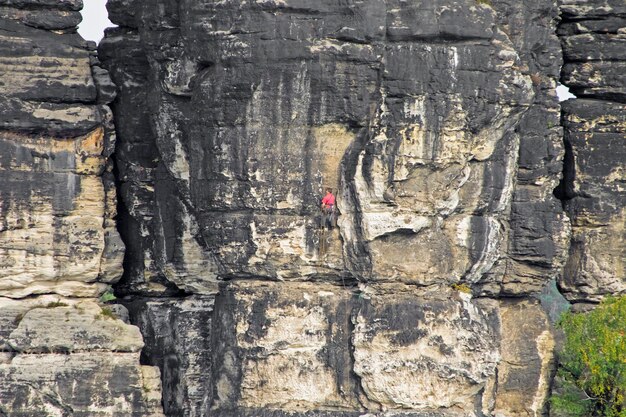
[328,209]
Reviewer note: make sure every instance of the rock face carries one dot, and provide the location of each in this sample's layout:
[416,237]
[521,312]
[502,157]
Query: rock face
[61,354]
[594,185]
[438,127]
[435,124]
[70,357]
[181,345]
[56,134]
[235,117]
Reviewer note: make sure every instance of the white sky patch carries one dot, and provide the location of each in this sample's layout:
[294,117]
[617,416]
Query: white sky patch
[563,93]
[95,19]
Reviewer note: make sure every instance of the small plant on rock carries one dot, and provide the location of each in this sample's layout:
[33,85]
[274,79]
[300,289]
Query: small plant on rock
[107,313]
[55,304]
[462,288]
[107,296]
[591,379]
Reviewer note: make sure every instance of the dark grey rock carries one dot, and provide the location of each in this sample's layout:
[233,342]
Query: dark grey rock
[122,12]
[49,19]
[594,134]
[105,87]
[70,5]
[605,80]
[592,188]
[192,128]
[437,124]
[178,335]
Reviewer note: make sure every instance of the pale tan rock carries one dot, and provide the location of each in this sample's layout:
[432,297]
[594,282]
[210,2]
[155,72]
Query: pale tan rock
[424,350]
[12,311]
[285,347]
[525,370]
[438,181]
[56,234]
[84,326]
[95,384]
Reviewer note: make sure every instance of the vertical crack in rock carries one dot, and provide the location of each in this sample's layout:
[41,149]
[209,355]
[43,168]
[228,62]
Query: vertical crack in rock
[360,393]
[565,191]
[594,125]
[181,331]
[437,125]
[61,352]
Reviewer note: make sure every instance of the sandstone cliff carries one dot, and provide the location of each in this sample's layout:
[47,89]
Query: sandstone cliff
[593,35]
[438,126]
[464,191]
[61,354]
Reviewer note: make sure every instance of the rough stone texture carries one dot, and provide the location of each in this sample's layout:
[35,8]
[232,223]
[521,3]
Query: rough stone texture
[427,119]
[64,356]
[594,185]
[57,233]
[527,364]
[593,35]
[61,354]
[425,351]
[437,124]
[288,348]
[181,346]
[61,15]
[539,231]
[82,384]
[78,328]
[283,346]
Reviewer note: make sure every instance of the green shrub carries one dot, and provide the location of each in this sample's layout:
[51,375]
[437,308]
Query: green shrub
[592,364]
[107,296]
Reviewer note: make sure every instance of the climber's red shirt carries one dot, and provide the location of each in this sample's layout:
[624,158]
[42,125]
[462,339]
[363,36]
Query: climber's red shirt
[328,200]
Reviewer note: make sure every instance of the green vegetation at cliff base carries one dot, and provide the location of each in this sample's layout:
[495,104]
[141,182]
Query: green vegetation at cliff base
[591,378]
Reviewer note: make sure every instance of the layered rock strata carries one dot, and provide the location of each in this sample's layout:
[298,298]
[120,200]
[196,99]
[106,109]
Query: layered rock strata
[66,357]
[61,353]
[593,35]
[56,135]
[409,120]
[437,125]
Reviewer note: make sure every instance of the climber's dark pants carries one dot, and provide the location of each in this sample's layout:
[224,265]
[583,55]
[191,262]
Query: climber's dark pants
[328,219]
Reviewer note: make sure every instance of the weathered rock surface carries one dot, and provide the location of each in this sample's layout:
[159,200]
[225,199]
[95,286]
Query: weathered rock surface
[425,351]
[295,347]
[68,329]
[61,354]
[437,124]
[181,345]
[594,186]
[526,367]
[61,15]
[71,357]
[57,233]
[81,384]
[283,346]
[234,117]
